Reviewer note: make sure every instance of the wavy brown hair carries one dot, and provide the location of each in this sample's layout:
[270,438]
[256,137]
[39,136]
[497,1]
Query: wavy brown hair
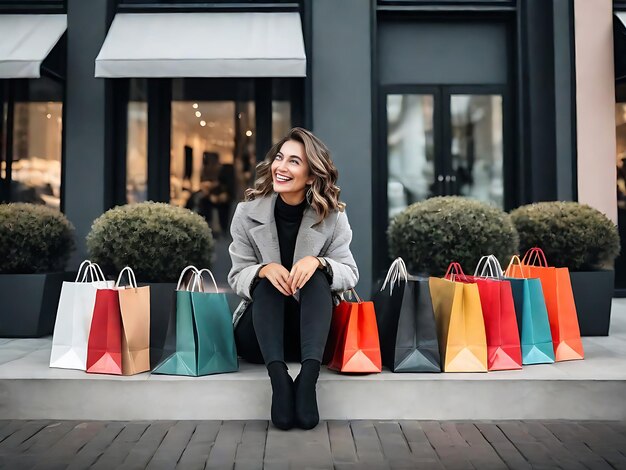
[325,192]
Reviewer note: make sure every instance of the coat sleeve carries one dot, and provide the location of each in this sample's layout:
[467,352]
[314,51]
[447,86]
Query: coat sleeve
[345,273]
[245,264]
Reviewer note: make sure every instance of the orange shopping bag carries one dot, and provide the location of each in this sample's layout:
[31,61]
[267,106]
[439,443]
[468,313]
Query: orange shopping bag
[557,290]
[353,339]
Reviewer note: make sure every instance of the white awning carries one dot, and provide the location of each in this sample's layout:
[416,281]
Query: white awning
[25,41]
[203,45]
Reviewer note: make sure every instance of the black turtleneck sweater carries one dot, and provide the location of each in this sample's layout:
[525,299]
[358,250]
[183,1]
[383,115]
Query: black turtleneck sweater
[288,219]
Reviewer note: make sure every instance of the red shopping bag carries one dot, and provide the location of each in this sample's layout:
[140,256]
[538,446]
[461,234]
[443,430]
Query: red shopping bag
[104,349]
[504,350]
[354,338]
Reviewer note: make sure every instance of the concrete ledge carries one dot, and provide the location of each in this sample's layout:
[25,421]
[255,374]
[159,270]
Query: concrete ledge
[591,389]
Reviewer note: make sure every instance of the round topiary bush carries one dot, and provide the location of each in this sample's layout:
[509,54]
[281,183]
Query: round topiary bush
[431,234]
[34,239]
[156,239]
[572,235]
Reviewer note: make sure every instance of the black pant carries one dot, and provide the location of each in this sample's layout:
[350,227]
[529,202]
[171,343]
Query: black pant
[279,328]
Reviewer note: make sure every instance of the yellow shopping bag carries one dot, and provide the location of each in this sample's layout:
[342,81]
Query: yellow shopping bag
[460,324]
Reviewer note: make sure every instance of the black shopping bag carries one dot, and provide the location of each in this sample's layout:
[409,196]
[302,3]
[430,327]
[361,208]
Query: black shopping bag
[406,322]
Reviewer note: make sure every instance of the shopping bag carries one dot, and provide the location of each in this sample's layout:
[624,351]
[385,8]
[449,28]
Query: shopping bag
[73,320]
[202,334]
[532,315]
[135,314]
[406,322]
[104,348]
[354,338]
[460,324]
[496,300]
[557,290]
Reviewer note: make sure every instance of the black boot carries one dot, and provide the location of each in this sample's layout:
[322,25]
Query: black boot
[282,395]
[307,415]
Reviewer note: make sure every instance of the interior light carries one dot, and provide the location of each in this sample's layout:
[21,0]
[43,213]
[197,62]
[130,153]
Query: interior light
[195,106]
[48,115]
[198,114]
[249,133]
[203,123]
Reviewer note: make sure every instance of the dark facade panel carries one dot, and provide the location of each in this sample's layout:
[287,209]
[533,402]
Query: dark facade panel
[33,6]
[447,4]
[203,5]
[412,52]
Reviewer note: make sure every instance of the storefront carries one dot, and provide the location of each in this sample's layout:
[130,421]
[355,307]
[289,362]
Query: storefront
[173,100]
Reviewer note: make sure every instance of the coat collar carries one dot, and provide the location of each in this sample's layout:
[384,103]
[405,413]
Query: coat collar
[310,238]
[262,211]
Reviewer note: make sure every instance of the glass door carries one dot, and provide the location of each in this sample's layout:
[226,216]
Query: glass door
[438,141]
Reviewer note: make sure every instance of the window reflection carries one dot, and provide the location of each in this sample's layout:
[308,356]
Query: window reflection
[281,119]
[36,168]
[212,145]
[410,150]
[137,143]
[476,147]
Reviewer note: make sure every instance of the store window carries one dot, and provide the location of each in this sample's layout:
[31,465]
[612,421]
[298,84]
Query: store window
[207,135]
[137,143]
[32,130]
[620,123]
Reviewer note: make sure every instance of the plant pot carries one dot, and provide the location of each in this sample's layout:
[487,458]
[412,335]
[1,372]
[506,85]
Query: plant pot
[28,304]
[593,293]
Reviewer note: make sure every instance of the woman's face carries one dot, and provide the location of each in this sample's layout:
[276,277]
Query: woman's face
[290,169]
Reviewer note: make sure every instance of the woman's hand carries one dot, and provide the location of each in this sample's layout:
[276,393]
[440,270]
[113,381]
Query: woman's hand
[302,271]
[278,275]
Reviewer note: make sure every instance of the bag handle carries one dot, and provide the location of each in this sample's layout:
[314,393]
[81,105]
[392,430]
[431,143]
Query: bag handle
[512,266]
[352,292]
[534,255]
[132,280]
[90,274]
[455,269]
[395,272]
[182,274]
[198,278]
[492,264]
[80,269]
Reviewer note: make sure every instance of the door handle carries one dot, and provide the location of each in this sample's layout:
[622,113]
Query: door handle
[440,187]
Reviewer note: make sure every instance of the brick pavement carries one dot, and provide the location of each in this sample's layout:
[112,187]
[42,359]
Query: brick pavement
[333,444]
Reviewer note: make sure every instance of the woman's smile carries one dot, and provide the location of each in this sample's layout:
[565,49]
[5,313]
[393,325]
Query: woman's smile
[282,178]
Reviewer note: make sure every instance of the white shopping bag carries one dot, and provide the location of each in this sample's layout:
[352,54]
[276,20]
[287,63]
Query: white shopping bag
[71,329]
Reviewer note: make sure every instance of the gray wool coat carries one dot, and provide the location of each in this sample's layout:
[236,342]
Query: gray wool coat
[255,244]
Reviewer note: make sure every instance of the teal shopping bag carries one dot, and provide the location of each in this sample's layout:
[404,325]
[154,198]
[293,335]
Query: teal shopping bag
[216,351]
[202,332]
[532,318]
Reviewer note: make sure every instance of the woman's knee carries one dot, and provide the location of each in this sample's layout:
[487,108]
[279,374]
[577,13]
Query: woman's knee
[263,288]
[318,282]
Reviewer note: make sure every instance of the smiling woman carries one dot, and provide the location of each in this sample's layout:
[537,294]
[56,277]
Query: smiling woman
[290,253]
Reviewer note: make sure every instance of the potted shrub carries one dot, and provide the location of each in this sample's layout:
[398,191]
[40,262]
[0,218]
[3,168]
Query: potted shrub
[581,238]
[158,241]
[35,246]
[430,234]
